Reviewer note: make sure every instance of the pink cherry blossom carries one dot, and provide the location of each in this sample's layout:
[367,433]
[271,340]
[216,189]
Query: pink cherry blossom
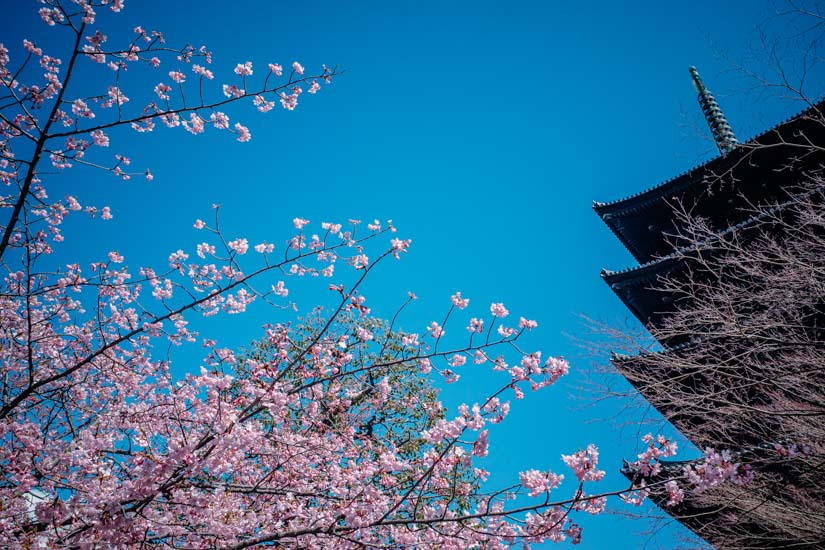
[458,301]
[195,124]
[204,249]
[481,445]
[537,482]
[498,310]
[219,120]
[115,97]
[262,104]
[410,340]
[31,48]
[202,71]
[505,332]
[232,91]
[363,334]
[331,227]
[435,330]
[400,246]
[243,132]
[177,76]
[99,138]
[162,90]
[584,462]
[295,441]
[280,289]
[239,245]
[82,110]
[244,69]
[675,494]
[476,325]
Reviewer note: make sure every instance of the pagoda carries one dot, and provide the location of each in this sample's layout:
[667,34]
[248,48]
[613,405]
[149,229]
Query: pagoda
[748,189]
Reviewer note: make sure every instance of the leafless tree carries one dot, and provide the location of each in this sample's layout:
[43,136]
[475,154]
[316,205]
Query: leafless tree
[737,356]
[748,371]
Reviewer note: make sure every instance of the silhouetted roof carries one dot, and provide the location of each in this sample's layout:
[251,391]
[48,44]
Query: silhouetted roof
[718,189]
[636,286]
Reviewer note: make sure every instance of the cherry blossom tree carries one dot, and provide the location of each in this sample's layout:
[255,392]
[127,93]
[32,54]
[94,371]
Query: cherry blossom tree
[325,433]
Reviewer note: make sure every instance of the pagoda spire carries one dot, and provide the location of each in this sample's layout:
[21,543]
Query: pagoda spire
[720,129]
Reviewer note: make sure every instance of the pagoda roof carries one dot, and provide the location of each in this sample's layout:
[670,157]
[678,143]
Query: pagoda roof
[635,285]
[642,221]
[659,375]
[635,288]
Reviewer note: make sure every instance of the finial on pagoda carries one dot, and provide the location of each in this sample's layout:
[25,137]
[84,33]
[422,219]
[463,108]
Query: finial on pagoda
[720,129]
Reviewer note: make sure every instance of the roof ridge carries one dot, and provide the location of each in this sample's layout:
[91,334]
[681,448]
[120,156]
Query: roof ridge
[798,115]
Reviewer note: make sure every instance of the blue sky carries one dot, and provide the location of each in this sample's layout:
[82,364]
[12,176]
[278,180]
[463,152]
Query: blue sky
[484,130]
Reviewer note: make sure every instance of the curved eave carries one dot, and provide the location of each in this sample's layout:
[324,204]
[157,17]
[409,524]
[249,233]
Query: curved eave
[641,275]
[647,272]
[616,229]
[638,201]
[633,284]
[641,200]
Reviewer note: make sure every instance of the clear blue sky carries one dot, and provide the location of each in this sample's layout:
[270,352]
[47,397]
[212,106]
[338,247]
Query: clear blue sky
[484,129]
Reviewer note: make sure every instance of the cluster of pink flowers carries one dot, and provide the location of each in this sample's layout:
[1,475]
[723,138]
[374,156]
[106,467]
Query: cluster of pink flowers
[243,132]
[717,468]
[264,248]
[262,104]
[584,462]
[458,301]
[202,71]
[290,101]
[81,109]
[240,246]
[498,310]
[675,494]
[244,69]
[538,483]
[476,325]
[648,461]
[252,450]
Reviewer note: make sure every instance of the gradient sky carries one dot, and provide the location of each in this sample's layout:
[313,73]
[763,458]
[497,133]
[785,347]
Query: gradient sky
[484,130]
